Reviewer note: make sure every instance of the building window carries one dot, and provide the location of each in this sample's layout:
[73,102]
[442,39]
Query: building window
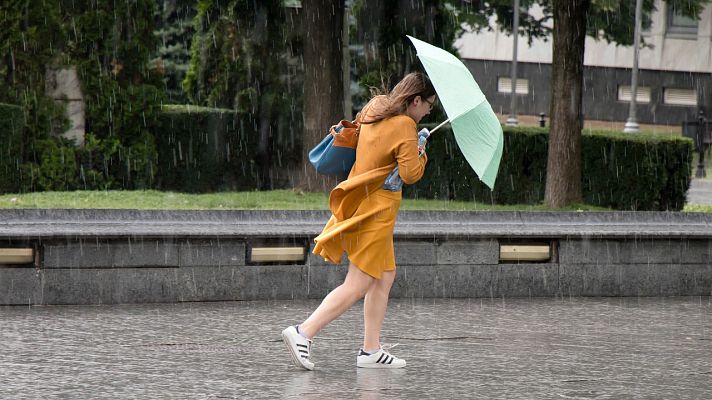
[292,3]
[504,85]
[679,23]
[680,97]
[642,94]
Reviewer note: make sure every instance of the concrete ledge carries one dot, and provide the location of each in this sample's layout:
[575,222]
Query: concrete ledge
[412,224]
[134,256]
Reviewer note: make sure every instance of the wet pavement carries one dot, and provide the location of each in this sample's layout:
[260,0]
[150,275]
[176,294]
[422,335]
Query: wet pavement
[700,192]
[572,348]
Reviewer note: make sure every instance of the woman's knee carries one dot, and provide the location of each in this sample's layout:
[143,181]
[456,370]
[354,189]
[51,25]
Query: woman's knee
[359,281]
[382,286]
[386,280]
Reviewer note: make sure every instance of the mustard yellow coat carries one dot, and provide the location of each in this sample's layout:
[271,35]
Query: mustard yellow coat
[363,214]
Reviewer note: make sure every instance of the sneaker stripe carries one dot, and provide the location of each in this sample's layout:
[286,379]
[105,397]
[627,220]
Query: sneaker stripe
[379,358]
[385,360]
[393,358]
[300,357]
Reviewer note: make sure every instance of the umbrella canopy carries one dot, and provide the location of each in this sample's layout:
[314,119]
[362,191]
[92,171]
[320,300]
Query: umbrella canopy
[476,127]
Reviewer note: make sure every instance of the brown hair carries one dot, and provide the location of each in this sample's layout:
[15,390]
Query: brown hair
[383,106]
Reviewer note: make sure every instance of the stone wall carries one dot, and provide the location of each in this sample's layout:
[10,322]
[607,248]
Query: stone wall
[114,267]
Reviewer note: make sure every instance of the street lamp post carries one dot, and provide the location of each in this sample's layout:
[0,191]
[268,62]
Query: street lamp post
[701,131]
[631,126]
[512,120]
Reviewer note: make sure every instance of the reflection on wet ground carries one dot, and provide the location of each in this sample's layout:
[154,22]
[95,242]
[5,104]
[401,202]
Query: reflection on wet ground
[580,348]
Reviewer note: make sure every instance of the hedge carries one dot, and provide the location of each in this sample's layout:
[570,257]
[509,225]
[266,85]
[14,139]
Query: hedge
[620,171]
[12,123]
[204,149]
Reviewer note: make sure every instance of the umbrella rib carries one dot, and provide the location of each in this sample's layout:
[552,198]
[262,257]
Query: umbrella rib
[439,126]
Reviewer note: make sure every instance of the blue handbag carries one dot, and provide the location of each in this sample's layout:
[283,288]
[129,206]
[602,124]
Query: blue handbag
[336,153]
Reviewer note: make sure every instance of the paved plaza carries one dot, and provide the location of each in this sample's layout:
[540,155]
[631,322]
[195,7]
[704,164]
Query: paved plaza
[700,192]
[571,348]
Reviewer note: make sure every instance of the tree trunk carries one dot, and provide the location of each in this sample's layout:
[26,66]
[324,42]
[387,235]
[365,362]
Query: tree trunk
[323,86]
[563,171]
[263,84]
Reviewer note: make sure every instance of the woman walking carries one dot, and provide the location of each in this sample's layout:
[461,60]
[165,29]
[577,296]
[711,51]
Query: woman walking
[364,209]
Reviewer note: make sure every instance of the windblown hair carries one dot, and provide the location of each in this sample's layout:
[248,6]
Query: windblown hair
[383,106]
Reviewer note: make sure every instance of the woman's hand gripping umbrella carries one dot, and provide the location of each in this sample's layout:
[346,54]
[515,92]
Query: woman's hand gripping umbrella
[477,130]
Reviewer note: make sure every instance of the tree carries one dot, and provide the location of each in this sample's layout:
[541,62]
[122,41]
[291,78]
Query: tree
[175,30]
[563,168]
[610,20]
[388,54]
[109,44]
[31,39]
[323,86]
[381,28]
[240,54]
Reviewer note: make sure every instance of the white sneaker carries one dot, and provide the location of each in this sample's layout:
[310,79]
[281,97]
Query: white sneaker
[299,347]
[379,359]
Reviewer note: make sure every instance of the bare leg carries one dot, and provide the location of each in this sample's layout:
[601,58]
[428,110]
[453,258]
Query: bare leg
[338,301]
[374,310]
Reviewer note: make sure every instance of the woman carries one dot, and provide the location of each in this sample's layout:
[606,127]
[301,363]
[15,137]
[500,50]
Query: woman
[364,214]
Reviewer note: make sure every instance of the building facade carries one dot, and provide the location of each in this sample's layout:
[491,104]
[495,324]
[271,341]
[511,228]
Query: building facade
[674,81]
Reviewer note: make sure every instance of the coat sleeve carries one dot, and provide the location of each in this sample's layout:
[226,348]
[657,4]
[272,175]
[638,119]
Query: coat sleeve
[411,167]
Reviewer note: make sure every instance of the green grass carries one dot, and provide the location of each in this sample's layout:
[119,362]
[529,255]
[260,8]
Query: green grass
[269,200]
[697,208]
[152,199]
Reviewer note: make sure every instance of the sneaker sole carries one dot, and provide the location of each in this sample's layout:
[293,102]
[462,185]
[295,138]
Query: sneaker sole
[380,366]
[295,358]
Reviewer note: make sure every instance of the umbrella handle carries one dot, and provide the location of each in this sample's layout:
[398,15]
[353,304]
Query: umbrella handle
[438,127]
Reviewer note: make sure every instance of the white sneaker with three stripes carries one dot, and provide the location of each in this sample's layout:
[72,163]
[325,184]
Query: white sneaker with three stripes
[299,347]
[379,359]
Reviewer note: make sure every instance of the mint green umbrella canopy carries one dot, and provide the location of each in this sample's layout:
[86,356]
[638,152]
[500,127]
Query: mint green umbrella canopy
[476,127]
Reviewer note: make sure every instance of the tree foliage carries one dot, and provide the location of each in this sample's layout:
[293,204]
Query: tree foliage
[174,29]
[110,43]
[31,38]
[244,56]
[236,52]
[610,20]
[387,53]
[111,46]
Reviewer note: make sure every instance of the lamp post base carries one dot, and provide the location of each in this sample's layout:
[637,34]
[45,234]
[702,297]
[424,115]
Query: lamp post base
[700,173]
[631,127]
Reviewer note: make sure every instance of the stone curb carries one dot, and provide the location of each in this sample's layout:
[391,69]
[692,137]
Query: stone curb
[411,224]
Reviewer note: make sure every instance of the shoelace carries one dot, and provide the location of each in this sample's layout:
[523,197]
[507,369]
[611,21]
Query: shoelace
[386,346]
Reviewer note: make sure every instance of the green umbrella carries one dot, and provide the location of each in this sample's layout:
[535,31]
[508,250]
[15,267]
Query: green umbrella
[476,127]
